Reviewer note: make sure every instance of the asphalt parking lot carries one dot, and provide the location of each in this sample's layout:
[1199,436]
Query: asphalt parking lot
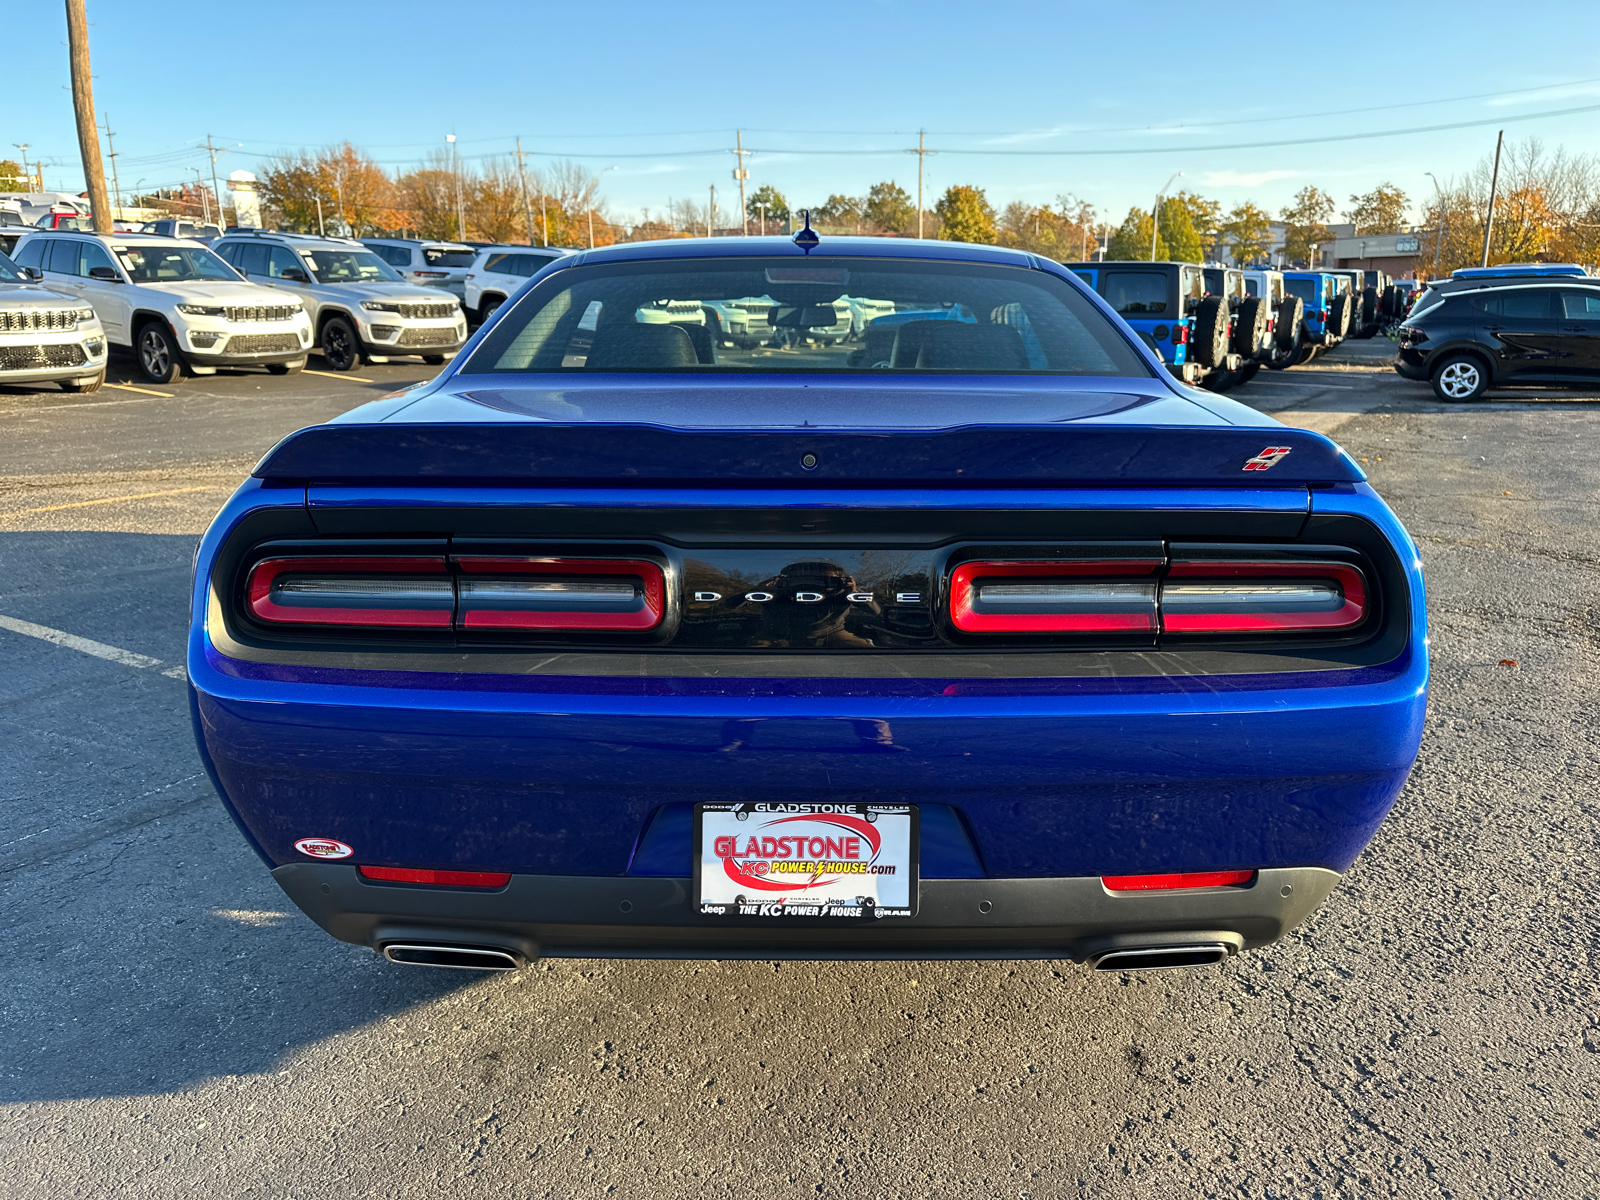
[173,1027]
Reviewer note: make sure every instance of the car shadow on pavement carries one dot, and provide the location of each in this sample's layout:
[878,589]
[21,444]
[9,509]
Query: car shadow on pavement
[164,956]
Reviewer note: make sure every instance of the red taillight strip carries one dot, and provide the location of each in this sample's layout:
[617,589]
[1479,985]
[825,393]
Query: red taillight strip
[964,578]
[478,879]
[1168,883]
[651,609]
[258,592]
[1349,578]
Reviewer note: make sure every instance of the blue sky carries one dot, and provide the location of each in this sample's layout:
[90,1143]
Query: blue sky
[830,100]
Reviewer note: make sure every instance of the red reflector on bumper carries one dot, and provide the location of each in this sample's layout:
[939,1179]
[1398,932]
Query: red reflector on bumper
[1167,883]
[483,879]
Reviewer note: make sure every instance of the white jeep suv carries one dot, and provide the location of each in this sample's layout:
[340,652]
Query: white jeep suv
[498,273]
[173,302]
[47,337]
[359,306]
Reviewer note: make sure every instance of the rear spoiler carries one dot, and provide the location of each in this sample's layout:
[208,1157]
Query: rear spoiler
[620,455]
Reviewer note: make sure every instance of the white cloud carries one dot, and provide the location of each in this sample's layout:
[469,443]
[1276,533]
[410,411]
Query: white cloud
[1556,92]
[1245,178]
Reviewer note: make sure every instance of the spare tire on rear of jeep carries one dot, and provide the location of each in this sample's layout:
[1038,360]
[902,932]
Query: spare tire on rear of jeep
[1211,331]
[1291,312]
[1389,305]
[1249,325]
[1369,307]
[1339,316]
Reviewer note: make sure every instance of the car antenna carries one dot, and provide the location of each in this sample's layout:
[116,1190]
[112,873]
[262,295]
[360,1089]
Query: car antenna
[807,238]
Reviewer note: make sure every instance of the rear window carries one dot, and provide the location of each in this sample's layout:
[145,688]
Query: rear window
[1306,289]
[449,258]
[788,315]
[1137,293]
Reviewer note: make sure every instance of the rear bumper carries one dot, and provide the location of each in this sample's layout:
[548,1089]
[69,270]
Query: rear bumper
[1413,364]
[587,916]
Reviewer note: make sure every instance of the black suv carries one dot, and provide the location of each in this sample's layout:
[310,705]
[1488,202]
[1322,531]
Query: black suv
[1503,333]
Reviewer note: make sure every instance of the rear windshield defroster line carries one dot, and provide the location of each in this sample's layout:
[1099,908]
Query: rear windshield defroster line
[753,316]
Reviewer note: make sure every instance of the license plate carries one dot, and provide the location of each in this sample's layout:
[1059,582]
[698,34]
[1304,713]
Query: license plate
[788,861]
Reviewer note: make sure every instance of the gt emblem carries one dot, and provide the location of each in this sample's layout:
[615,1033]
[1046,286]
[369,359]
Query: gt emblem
[1267,459]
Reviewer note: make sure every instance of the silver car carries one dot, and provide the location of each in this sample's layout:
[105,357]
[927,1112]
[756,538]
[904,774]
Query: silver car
[431,264]
[46,336]
[359,305]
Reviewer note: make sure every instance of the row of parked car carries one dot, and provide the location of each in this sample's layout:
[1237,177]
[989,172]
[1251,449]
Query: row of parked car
[249,298]
[1218,326]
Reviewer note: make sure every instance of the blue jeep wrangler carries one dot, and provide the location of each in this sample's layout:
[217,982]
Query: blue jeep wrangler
[1165,303]
[1326,317]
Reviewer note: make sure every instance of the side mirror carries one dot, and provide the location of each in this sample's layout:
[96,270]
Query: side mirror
[105,274]
[32,273]
[295,275]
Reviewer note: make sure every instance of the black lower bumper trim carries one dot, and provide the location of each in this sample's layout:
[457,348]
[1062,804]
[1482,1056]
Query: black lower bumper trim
[628,917]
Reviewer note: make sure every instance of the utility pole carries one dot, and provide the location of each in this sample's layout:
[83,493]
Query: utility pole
[711,211]
[455,169]
[1438,234]
[527,208]
[26,178]
[741,175]
[83,105]
[322,230]
[1494,186]
[215,190]
[762,209]
[922,153]
[112,155]
[205,201]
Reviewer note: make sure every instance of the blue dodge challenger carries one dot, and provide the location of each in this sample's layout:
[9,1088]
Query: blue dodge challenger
[813,599]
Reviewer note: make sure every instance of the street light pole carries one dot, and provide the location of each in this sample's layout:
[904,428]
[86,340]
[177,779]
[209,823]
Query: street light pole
[455,169]
[1438,234]
[1155,215]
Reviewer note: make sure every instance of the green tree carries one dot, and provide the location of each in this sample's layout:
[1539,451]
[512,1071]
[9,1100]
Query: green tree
[11,179]
[1382,210]
[1178,232]
[1131,241]
[777,208]
[1307,221]
[1063,234]
[841,211]
[965,215]
[1248,233]
[1205,217]
[889,207]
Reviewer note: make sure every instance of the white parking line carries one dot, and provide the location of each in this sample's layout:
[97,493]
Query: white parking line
[87,646]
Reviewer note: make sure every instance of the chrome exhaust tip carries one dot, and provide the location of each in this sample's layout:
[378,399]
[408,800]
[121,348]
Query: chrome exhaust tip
[458,958]
[1161,958]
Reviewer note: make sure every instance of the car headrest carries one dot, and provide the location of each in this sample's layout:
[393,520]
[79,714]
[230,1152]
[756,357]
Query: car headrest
[628,346]
[959,346]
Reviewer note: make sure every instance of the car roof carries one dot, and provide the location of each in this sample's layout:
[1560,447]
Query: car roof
[122,237]
[293,239]
[767,247]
